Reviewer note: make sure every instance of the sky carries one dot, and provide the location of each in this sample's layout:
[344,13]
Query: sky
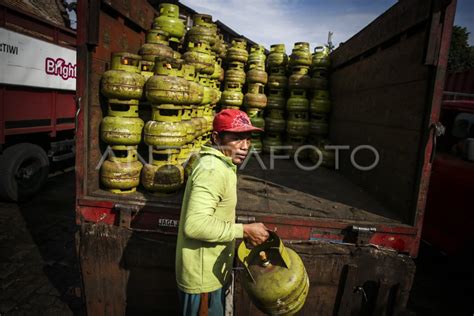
[270,22]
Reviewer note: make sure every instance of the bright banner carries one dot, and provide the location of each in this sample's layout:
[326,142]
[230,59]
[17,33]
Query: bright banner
[27,61]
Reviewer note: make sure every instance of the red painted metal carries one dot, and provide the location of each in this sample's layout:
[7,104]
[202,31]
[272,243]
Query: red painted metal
[28,110]
[460,82]
[445,41]
[459,105]
[39,109]
[449,220]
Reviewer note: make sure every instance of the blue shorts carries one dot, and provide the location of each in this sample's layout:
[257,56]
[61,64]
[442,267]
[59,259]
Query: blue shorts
[189,303]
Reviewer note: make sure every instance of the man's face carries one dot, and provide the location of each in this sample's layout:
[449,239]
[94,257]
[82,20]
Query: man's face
[234,145]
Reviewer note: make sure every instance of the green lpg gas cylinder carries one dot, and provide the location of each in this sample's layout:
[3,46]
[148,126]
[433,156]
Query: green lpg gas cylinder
[165,174]
[215,93]
[169,86]
[123,80]
[298,123]
[232,95]
[147,69]
[272,142]
[203,30]
[116,130]
[199,126]
[256,117]
[220,48]
[238,51]
[299,78]
[255,97]
[297,101]
[300,55]
[320,102]
[257,56]
[256,74]
[199,55]
[277,78]
[200,116]
[169,21]
[319,80]
[256,144]
[275,122]
[275,279]
[120,173]
[276,99]
[190,127]
[123,108]
[218,73]
[156,46]
[321,58]
[325,157]
[293,142]
[166,129]
[235,72]
[277,56]
[319,124]
[209,116]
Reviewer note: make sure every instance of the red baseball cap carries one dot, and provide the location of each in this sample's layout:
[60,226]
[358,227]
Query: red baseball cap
[233,120]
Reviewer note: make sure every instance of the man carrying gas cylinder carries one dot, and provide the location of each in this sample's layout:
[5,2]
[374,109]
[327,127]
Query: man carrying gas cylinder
[207,229]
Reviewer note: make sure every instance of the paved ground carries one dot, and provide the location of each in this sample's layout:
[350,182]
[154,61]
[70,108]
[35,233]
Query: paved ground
[39,273]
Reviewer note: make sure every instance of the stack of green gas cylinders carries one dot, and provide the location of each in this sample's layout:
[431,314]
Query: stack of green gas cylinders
[275,123]
[205,50]
[236,58]
[169,91]
[167,95]
[320,107]
[297,105]
[255,99]
[121,129]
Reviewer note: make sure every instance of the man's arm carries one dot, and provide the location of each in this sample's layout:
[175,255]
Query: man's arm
[208,188]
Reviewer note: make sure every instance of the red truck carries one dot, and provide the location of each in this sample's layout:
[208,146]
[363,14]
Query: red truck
[37,100]
[356,228]
[452,178]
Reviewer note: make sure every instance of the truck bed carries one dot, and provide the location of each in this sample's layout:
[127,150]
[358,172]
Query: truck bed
[321,193]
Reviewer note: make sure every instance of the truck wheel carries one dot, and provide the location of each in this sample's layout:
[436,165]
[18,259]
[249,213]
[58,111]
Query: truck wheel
[24,169]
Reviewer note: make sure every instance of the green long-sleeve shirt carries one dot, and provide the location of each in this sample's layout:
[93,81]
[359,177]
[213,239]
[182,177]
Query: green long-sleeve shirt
[207,228]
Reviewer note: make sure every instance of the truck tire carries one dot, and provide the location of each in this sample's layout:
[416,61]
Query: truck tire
[24,169]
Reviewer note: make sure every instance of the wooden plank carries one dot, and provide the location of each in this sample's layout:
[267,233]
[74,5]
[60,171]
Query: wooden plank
[105,282]
[396,20]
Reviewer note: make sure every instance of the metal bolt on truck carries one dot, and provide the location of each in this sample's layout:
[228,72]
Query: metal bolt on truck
[355,230]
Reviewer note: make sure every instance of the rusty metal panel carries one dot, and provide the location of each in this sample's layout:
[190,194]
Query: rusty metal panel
[340,275]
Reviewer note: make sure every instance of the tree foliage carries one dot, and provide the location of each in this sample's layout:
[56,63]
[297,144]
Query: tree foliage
[461,55]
